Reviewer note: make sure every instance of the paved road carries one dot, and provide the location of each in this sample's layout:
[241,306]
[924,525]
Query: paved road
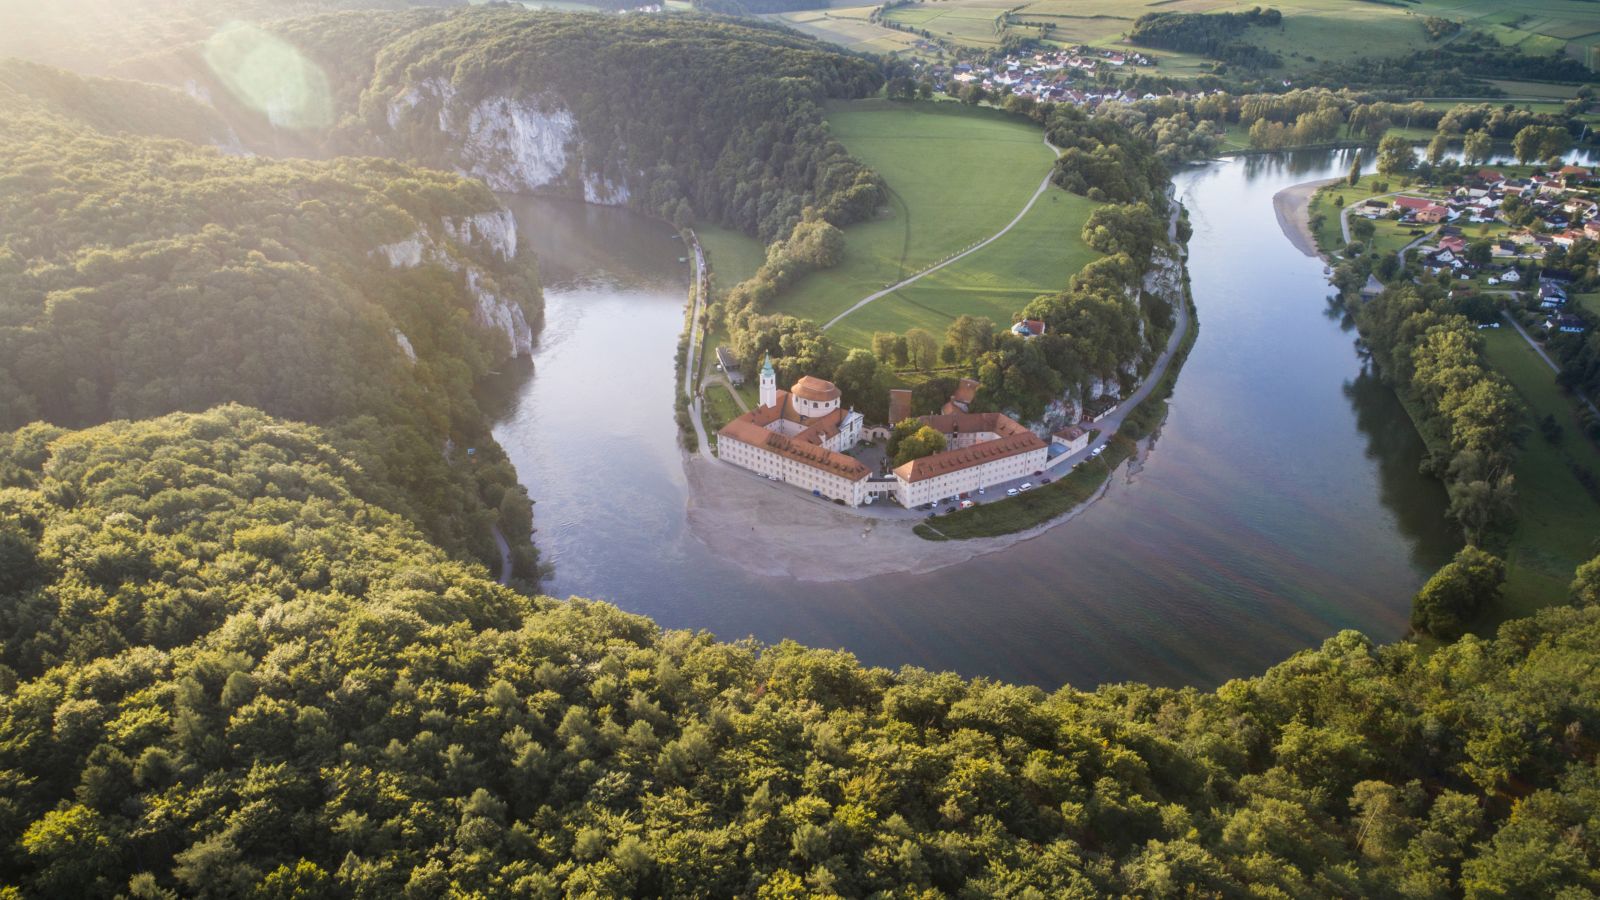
[694,317]
[1043,186]
[696,405]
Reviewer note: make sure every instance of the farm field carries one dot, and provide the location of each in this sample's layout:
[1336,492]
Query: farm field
[1557,520]
[957,176]
[1312,32]
[847,26]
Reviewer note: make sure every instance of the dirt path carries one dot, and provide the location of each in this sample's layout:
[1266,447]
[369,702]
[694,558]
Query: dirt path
[1043,186]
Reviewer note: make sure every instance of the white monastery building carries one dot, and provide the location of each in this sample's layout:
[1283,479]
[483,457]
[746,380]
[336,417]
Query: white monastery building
[801,436]
[983,449]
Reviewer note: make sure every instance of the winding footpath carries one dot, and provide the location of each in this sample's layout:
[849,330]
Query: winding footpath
[1043,186]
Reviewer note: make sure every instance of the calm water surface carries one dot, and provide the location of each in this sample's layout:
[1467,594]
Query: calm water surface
[1280,504]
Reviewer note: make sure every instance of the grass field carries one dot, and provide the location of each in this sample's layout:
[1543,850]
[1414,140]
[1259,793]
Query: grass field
[1312,32]
[732,255]
[958,175]
[1557,521]
[848,26]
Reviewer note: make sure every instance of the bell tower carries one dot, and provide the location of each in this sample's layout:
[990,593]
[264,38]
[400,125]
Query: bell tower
[769,383]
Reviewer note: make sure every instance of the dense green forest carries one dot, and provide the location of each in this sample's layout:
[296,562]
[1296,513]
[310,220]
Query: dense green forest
[1430,352]
[719,115]
[140,276]
[226,675]
[702,119]
[1217,35]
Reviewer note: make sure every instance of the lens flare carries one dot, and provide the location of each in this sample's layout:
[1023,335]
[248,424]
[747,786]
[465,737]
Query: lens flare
[270,76]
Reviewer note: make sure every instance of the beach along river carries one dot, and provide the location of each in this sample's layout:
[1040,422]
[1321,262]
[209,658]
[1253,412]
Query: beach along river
[1279,504]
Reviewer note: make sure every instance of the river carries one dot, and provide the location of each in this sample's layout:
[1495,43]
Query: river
[1280,502]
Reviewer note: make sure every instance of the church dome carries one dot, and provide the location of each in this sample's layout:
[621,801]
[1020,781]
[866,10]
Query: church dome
[815,389]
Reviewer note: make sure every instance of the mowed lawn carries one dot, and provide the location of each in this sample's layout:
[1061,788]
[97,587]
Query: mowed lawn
[957,176]
[1039,256]
[1557,521]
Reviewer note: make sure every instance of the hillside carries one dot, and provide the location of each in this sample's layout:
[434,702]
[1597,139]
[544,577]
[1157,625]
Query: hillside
[693,119]
[225,674]
[142,276]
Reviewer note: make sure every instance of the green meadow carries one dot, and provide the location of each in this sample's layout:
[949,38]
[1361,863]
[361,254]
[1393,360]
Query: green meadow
[1039,256]
[957,175]
[1557,521]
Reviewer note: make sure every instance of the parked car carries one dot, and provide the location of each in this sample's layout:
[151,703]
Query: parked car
[1026,486]
[967,504]
[1011,492]
[1098,450]
[1045,480]
[1037,474]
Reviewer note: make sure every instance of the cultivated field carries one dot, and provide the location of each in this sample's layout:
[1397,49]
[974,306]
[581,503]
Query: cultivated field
[848,26]
[958,175]
[1313,31]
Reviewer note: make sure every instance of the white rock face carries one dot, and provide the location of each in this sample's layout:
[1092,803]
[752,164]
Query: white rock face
[439,90]
[513,145]
[601,190]
[500,314]
[496,230]
[405,346]
[405,254]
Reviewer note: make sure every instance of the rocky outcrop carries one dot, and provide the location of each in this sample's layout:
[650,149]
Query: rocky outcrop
[495,231]
[493,234]
[405,346]
[516,144]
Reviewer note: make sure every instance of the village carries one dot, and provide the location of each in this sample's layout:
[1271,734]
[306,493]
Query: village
[1055,76]
[1499,234]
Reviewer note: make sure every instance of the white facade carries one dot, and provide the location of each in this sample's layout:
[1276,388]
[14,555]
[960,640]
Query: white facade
[983,475]
[1073,445]
[849,432]
[791,471]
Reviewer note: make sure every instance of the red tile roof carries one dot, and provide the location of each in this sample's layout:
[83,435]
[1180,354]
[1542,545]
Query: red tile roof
[795,448]
[1014,440]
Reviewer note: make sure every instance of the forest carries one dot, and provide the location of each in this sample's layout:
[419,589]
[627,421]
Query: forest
[1469,415]
[701,119]
[139,276]
[1217,35]
[225,674]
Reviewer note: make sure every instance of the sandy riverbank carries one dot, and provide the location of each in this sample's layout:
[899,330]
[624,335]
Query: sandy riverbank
[737,515]
[1292,205]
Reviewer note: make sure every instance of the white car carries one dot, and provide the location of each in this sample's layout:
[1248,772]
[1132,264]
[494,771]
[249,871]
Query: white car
[1098,450]
[967,504]
[1011,492]
[1026,486]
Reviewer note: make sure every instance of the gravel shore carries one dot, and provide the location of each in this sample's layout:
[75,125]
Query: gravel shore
[772,529]
[1292,204]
